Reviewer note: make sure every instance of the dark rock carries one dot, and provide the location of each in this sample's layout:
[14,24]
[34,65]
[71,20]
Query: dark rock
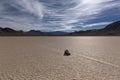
[67,53]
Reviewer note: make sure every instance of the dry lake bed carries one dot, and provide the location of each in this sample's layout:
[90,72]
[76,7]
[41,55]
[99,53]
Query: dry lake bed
[41,58]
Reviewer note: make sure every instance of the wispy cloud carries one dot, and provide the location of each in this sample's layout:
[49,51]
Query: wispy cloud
[30,6]
[50,15]
[96,24]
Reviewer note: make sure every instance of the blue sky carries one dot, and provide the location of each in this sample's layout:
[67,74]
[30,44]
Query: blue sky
[58,15]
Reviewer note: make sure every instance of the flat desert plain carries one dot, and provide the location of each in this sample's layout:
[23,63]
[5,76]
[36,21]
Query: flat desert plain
[41,58]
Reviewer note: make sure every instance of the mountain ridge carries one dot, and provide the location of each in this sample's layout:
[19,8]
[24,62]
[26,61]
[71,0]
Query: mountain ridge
[112,29]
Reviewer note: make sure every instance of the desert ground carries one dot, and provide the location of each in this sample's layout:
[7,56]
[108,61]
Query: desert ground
[41,58]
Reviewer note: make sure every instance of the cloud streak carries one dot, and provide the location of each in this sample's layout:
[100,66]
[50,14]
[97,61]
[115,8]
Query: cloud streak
[96,24]
[30,6]
[53,15]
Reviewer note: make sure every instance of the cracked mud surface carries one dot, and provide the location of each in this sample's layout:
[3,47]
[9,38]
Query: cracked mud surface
[41,58]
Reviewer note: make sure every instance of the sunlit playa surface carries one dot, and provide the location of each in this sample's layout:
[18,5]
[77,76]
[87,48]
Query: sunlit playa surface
[42,58]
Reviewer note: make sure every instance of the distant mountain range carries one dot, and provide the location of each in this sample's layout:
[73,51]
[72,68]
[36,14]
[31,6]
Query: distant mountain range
[12,32]
[110,30]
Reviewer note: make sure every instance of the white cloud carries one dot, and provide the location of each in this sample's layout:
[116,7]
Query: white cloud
[31,6]
[84,10]
[62,13]
[95,24]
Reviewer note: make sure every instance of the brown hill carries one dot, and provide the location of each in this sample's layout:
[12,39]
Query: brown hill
[110,30]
